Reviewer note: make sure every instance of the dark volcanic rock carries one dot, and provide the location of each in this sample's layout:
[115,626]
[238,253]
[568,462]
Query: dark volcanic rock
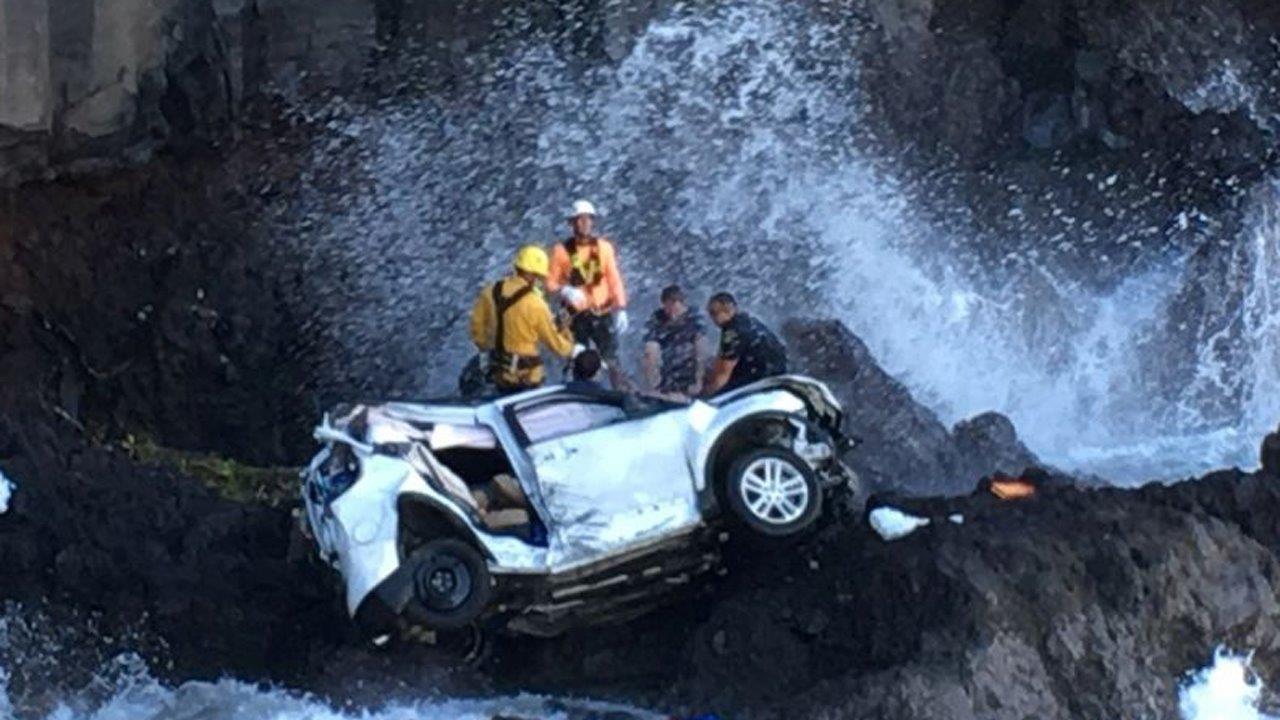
[1270,454]
[85,88]
[990,443]
[1089,139]
[141,303]
[1245,500]
[144,305]
[905,447]
[90,87]
[147,304]
[1070,607]
[92,529]
[982,78]
[1075,604]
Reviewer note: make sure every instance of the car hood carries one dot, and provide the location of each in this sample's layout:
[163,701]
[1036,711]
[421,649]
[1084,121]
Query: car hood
[821,402]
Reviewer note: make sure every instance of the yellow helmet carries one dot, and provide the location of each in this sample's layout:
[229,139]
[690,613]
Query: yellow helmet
[532,259]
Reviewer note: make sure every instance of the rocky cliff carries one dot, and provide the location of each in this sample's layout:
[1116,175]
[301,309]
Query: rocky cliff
[1076,604]
[87,85]
[1058,74]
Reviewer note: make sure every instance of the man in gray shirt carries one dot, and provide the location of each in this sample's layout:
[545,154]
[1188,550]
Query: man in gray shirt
[675,347]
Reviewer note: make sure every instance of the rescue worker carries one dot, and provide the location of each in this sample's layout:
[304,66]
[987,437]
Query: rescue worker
[511,319]
[584,271]
[748,352]
[675,347]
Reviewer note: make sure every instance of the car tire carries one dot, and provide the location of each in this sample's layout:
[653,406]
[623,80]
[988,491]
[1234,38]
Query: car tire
[451,584]
[773,491]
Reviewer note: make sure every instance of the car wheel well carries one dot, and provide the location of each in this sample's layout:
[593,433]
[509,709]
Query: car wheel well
[422,521]
[752,432]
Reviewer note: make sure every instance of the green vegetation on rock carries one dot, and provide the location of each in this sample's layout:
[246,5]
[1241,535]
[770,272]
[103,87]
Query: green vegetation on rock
[274,486]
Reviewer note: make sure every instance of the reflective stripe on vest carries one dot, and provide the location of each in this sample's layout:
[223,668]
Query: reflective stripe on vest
[588,272]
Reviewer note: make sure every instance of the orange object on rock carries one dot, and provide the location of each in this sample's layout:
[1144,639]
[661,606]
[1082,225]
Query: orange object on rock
[1012,488]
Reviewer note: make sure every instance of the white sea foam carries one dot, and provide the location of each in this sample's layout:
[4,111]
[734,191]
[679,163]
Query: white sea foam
[1225,690]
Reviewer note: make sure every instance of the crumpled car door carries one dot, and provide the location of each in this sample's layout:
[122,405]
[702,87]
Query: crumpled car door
[616,486]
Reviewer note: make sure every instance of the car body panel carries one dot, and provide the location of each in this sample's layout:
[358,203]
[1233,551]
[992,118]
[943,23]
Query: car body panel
[817,397]
[600,504]
[359,530]
[770,402]
[363,526]
[432,413]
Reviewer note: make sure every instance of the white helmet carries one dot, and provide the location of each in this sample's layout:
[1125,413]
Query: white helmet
[582,207]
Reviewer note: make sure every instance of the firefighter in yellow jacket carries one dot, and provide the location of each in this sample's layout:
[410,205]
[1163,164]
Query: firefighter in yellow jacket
[511,321]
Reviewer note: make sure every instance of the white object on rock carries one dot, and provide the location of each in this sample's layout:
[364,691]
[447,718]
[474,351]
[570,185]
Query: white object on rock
[956,519]
[893,524]
[6,493]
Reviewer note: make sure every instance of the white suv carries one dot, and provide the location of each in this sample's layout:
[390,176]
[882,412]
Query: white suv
[559,506]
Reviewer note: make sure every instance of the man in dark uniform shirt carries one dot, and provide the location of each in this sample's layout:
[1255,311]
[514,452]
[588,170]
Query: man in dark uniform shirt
[675,347]
[749,351]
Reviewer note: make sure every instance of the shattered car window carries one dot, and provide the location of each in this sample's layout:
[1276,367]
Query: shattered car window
[553,420]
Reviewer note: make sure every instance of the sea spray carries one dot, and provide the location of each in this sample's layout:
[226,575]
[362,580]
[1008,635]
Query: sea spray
[730,149]
[1225,690]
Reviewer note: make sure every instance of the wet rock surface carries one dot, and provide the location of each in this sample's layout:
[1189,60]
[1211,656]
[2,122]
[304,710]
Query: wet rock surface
[1093,139]
[85,88]
[97,532]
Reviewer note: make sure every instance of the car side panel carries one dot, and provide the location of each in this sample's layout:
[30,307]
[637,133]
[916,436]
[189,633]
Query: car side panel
[726,416]
[362,523]
[615,487]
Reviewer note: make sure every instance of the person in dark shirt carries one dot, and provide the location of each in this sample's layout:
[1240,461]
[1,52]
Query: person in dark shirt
[675,347]
[749,351]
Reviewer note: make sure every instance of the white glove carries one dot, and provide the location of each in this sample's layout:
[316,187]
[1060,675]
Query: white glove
[574,296]
[578,349]
[620,322]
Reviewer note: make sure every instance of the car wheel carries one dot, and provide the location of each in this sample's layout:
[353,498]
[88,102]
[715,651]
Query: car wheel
[451,584]
[774,492]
